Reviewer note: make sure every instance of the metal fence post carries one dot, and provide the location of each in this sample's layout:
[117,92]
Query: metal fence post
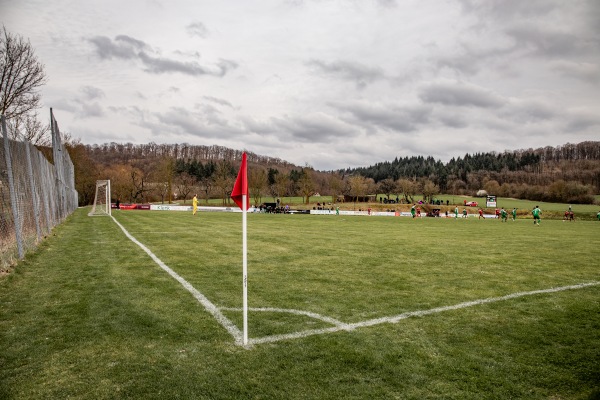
[11,185]
[34,194]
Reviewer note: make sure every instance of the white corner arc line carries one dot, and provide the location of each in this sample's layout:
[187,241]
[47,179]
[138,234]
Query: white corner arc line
[395,319]
[324,318]
[208,305]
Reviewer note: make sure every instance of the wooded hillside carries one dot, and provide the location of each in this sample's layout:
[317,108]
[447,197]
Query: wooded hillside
[166,172]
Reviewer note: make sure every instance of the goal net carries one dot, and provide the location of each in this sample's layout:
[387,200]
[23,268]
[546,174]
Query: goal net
[102,200]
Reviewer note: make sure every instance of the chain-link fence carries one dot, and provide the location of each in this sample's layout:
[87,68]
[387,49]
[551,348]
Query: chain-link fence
[35,195]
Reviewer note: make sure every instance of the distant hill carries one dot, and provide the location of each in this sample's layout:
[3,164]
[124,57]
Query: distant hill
[568,173]
[570,162]
[108,153]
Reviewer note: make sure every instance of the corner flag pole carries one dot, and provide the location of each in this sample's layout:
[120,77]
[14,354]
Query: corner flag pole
[245,265]
[240,197]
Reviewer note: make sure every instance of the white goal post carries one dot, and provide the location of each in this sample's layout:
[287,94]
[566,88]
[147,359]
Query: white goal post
[102,199]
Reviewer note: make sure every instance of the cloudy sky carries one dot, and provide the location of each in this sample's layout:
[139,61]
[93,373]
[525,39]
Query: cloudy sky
[329,83]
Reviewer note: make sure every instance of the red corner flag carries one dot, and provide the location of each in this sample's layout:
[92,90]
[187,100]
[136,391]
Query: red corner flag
[241,185]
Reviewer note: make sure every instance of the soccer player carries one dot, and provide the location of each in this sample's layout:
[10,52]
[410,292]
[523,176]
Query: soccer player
[504,214]
[598,215]
[514,214]
[195,204]
[481,214]
[456,212]
[413,211]
[536,215]
[464,213]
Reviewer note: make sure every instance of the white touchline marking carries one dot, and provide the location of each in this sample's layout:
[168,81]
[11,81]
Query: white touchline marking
[338,325]
[397,318]
[208,305]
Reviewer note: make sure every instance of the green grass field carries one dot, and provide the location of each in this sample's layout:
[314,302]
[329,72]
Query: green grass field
[90,315]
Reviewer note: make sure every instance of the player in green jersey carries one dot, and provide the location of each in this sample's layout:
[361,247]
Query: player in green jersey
[536,215]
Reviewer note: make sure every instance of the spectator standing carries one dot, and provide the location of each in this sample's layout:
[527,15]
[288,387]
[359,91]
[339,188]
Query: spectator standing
[195,204]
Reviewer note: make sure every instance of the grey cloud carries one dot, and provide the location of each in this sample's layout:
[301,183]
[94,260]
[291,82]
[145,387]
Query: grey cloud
[389,117]
[452,121]
[463,63]
[91,92]
[82,107]
[552,43]
[315,128]
[508,9]
[218,101]
[469,61]
[460,94]
[181,118]
[507,31]
[204,123]
[88,110]
[581,120]
[63,104]
[197,29]
[360,74]
[159,65]
[586,72]
[387,3]
[528,111]
[129,41]
[125,47]
[258,126]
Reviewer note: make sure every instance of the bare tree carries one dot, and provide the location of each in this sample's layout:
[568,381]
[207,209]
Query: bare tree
[224,179]
[408,189]
[21,76]
[257,180]
[162,177]
[281,185]
[429,191]
[307,187]
[33,130]
[206,185]
[335,186]
[358,187]
[184,183]
[387,187]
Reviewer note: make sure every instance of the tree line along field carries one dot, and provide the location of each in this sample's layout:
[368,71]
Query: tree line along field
[90,315]
[162,172]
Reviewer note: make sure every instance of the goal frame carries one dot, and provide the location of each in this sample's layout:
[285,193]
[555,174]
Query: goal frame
[102,204]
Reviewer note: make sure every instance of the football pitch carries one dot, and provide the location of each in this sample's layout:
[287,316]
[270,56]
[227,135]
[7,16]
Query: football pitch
[340,307]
